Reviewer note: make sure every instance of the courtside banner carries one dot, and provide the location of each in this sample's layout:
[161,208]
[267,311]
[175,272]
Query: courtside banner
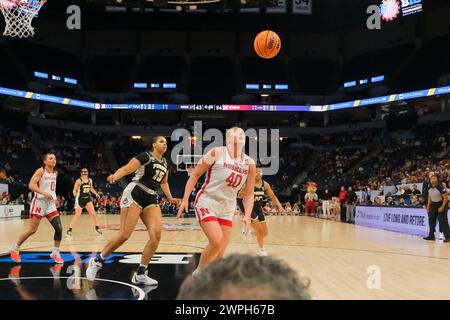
[412,221]
[9,211]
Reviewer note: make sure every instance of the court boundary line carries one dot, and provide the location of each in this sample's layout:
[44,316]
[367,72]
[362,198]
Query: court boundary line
[141,292]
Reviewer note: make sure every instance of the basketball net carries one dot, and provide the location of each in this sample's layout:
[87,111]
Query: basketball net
[19,15]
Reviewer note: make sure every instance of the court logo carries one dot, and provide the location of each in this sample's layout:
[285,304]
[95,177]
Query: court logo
[158,259]
[259,143]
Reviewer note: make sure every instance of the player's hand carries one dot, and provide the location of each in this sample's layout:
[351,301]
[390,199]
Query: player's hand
[175,201]
[111,179]
[184,206]
[97,196]
[441,210]
[47,196]
[281,209]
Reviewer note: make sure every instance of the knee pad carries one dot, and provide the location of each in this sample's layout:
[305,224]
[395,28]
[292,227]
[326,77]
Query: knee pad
[56,223]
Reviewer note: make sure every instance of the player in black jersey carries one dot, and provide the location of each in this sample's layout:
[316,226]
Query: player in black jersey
[140,200]
[82,190]
[259,224]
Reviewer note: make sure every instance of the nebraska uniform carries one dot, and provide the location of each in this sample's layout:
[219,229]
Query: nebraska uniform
[216,201]
[41,207]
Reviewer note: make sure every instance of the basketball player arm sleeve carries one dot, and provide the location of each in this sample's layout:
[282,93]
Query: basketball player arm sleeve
[249,191]
[33,185]
[272,196]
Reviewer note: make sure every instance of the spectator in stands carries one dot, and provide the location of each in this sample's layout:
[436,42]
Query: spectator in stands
[390,201]
[350,202]
[400,191]
[273,210]
[247,278]
[378,201]
[288,209]
[325,197]
[21,199]
[414,190]
[296,209]
[414,201]
[3,175]
[113,207]
[5,200]
[342,199]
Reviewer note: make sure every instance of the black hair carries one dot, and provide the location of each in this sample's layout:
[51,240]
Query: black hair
[44,157]
[155,139]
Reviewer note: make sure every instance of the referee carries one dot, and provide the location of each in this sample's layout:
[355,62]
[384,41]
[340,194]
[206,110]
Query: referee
[437,209]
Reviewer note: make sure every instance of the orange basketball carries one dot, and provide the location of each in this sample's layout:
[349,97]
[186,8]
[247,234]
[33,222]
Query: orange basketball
[267,44]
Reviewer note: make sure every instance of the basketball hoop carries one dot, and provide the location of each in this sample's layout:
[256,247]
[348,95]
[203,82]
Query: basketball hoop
[19,15]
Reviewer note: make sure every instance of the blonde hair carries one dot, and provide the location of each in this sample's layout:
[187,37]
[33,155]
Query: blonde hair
[233,129]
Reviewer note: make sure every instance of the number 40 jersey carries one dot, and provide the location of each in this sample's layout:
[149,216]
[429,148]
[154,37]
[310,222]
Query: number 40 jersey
[223,181]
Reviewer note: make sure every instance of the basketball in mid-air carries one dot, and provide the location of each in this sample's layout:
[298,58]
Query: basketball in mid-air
[267,44]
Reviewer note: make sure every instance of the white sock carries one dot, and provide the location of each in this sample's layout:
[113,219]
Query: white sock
[55,250]
[15,247]
[262,249]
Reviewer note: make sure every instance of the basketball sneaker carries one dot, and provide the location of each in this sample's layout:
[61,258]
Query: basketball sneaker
[93,267]
[91,295]
[14,274]
[57,257]
[263,253]
[56,270]
[146,289]
[98,232]
[69,235]
[15,256]
[143,279]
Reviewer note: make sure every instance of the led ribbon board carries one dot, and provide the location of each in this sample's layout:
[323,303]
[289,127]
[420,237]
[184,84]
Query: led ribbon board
[227,107]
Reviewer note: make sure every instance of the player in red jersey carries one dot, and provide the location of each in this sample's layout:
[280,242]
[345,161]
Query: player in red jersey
[43,184]
[228,170]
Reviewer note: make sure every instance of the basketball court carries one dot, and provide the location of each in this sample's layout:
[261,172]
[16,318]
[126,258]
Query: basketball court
[353,96]
[338,258]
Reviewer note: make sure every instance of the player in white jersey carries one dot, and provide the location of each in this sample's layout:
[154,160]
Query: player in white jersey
[228,170]
[43,184]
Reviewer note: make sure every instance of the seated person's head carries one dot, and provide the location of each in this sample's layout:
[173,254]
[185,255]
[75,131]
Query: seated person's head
[245,277]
